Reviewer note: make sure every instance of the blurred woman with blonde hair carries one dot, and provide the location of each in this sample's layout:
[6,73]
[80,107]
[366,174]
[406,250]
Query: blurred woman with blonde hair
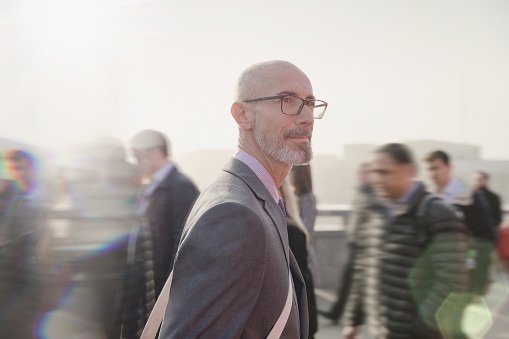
[298,239]
[306,201]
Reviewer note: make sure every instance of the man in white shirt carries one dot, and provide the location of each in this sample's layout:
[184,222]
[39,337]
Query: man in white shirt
[474,210]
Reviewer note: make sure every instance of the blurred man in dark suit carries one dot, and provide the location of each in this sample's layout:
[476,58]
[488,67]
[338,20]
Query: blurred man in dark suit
[481,180]
[165,200]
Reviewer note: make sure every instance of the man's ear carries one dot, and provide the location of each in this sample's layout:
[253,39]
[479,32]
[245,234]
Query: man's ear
[240,115]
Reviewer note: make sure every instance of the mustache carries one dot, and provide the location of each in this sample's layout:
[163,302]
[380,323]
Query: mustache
[298,132]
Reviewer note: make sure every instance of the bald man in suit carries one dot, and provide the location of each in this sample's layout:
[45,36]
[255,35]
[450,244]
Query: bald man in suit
[233,266]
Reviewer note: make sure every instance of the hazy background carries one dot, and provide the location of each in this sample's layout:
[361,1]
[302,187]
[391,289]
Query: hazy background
[391,70]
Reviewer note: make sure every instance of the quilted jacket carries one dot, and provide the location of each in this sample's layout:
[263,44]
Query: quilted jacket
[404,285]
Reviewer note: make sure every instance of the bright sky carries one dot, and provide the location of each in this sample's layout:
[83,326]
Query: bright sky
[391,70]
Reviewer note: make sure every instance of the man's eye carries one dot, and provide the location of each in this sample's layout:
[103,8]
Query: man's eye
[289,100]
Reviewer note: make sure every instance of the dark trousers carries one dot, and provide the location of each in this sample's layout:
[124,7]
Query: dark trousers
[480,275]
[342,293]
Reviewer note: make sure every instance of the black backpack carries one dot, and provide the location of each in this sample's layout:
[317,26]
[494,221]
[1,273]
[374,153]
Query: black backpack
[424,236]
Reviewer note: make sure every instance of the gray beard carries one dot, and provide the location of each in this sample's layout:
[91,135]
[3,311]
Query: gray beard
[270,145]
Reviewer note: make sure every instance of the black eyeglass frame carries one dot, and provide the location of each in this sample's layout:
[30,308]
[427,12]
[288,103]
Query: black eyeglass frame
[303,102]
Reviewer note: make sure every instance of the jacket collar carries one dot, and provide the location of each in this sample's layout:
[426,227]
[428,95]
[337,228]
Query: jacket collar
[412,200]
[243,172]
[457,193]
[167,180]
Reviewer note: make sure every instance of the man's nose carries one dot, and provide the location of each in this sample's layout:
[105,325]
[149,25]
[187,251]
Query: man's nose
[306,116]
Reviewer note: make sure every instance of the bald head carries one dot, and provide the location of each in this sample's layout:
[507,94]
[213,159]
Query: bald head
[275,138]
[259,78]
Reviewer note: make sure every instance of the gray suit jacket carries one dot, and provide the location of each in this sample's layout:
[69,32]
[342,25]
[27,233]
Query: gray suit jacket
[231,269]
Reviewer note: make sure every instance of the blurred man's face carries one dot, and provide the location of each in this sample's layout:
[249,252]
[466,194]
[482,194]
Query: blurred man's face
[439,172]
[390,179]
[479,181]
[145,159]
[22,172]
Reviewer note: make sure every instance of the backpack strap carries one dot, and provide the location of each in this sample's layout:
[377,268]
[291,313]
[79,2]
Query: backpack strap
[423,233]
[156,316]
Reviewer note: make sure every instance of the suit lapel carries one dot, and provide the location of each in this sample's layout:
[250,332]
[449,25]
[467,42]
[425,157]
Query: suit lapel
[279,221]
[242,171]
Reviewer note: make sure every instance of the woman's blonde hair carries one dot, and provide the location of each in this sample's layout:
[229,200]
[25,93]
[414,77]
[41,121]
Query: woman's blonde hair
[292,208]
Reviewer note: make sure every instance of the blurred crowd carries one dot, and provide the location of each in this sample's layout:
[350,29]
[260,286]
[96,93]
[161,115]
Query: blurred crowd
[417,250]
[102,247]
[90,253]
[84,243]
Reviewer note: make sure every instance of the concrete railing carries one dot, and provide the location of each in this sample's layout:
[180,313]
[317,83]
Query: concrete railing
[343,211]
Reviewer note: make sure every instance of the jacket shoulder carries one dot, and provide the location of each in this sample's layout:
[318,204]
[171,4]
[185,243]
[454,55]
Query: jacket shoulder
[444,217]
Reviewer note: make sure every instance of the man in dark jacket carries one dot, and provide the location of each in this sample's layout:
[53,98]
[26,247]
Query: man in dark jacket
[406,270]
[19,241]
[165,201]
[493,201]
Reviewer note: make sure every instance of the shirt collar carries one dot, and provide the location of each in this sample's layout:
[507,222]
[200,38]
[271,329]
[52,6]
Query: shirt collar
[402,204]
[453,189]
[162,173]
[157,178]
[260,172]
[405,199]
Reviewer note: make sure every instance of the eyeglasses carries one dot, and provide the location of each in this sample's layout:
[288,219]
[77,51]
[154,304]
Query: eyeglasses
[292,105]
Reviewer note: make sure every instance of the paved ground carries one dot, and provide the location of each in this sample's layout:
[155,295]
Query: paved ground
[77,312]
[488,318]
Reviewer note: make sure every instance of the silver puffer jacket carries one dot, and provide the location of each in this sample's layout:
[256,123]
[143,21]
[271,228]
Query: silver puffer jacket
[401,282]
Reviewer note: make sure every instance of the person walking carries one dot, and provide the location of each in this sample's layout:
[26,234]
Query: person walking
[234,274]
[302,181]
[165,201]
[409,272]
[298,240]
